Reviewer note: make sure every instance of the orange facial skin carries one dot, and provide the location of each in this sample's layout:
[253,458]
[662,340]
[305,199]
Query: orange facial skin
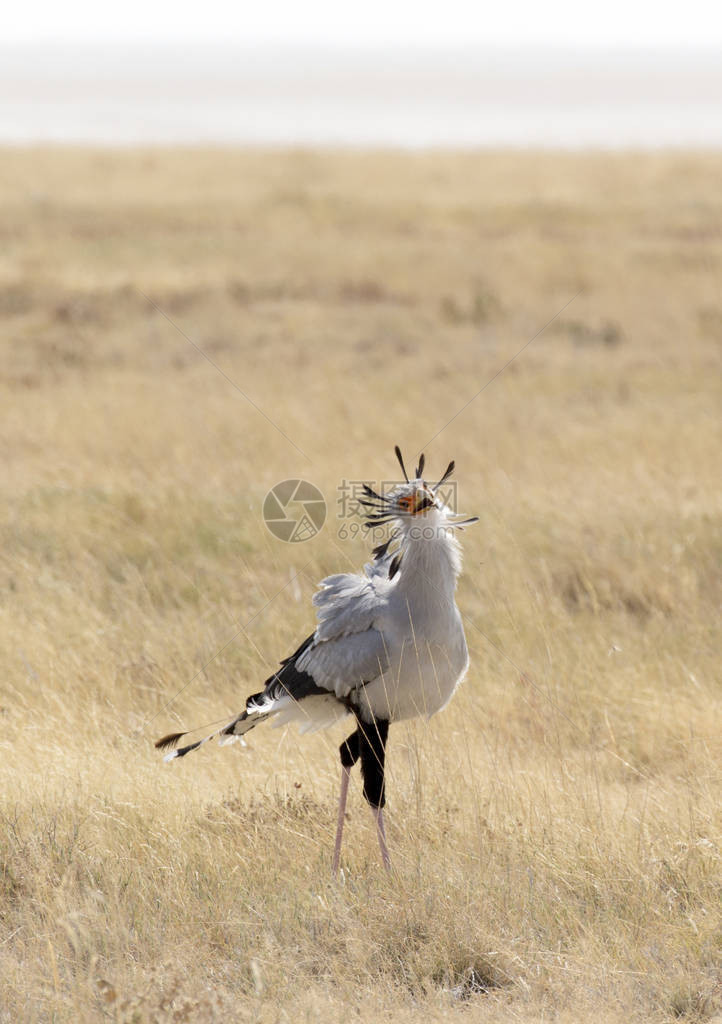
[417,502]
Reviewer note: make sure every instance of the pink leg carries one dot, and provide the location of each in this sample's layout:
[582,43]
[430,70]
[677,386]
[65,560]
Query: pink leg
[345,776]
[379,816]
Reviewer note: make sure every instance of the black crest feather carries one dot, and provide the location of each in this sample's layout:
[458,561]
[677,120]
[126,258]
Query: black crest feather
[401,462]
[449,470]
[371,493]
[420,467]
[380,551]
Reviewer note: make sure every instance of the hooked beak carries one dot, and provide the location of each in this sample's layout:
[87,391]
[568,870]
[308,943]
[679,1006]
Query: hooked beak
[423,503]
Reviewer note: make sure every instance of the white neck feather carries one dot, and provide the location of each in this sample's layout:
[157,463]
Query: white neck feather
[431,560]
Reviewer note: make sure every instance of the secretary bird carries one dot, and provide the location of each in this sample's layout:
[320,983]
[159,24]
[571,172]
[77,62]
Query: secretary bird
[389,644]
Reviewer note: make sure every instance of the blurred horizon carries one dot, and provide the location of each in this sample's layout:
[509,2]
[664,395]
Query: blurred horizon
[203,93]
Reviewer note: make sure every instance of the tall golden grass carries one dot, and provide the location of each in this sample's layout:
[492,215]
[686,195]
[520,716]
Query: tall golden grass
[557,831]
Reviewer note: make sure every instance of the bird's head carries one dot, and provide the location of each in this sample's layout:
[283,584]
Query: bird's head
[414,502]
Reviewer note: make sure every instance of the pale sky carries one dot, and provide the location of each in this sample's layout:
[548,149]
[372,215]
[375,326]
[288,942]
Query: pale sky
[635,24]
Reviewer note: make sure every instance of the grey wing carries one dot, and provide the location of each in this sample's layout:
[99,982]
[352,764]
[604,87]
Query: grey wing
[345,604]
[344,665]
[348,648]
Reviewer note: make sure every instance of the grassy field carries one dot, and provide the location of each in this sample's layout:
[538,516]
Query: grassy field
[557,831]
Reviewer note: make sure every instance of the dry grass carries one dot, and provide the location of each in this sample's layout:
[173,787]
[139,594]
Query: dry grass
[557,832]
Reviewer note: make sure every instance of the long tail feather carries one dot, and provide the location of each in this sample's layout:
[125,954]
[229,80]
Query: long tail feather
[169,741]
[182,751]
[231,731]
